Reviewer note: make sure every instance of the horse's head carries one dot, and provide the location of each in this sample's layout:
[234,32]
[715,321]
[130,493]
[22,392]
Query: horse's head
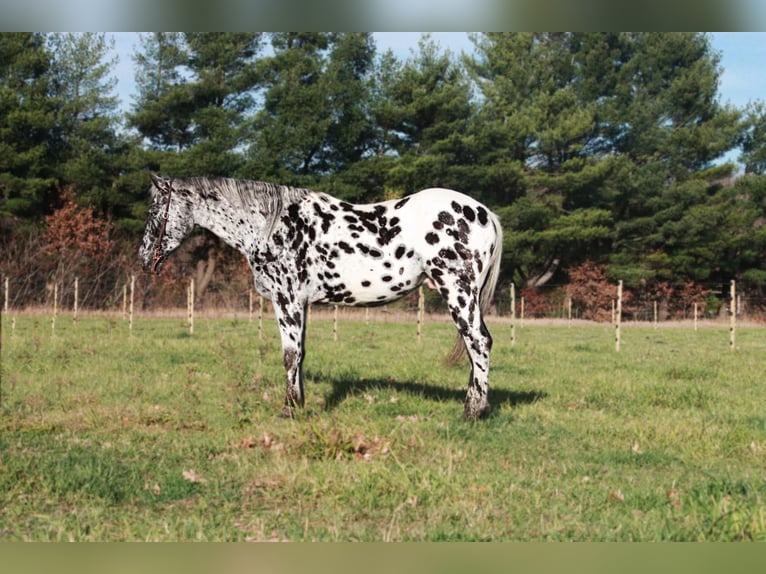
[168,223]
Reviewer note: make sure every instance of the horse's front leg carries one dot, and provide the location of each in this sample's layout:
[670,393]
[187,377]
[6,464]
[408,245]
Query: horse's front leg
[291,318]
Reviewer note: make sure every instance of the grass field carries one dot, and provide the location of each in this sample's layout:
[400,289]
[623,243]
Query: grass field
[160,435]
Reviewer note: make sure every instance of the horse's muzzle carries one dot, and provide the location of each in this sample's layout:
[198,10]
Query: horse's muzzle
[156,263]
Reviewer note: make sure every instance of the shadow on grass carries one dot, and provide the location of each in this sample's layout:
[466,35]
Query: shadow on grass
[346,385]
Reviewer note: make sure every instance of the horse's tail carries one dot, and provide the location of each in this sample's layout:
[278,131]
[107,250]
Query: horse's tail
[487,289]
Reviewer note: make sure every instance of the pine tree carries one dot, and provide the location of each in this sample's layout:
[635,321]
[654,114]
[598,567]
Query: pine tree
[162,108]
[88,151]
[426,112]
[26,124]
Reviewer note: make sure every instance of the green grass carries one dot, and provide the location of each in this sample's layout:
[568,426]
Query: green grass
[160,435]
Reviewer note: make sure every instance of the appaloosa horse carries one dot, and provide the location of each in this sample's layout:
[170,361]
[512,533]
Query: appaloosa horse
[308,247]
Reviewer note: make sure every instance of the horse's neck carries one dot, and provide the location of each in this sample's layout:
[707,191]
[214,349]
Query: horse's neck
[233,226]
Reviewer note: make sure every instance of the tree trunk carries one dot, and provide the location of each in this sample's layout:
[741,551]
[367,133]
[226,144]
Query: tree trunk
[205,270]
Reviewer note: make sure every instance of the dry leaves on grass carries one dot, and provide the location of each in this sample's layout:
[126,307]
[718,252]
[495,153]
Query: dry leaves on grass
[410,418]
[275,537]
[366,449]
[266,442]
[335,443]
[616,496]
[674,497]
[193,476]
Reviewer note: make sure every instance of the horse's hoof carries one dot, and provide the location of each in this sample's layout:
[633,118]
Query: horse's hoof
[476,412]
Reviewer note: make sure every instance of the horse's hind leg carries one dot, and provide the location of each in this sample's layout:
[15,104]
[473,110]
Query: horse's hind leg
[478,343]
[463,301]
[291,318]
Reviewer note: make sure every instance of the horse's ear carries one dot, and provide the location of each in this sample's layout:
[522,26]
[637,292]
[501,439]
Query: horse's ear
[156,180]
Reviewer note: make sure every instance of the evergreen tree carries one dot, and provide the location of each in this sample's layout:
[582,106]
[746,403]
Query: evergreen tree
[539,147]
[88,151]
[162,109]
[196,91]
[753,138]
[426,111]
[225,77]
[26,124]
[315,124]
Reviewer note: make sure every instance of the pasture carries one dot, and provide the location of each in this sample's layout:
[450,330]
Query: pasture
[161,435]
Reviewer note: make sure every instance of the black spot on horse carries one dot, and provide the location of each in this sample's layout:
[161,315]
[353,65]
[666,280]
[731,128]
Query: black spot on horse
[400,251]
[346,247]
[365,283]
[386,278]
[464,253]
[386,235]
[448,254]
[446,218]
[432,238]
[399,204]
[481,213]
[456,207]
[468,213]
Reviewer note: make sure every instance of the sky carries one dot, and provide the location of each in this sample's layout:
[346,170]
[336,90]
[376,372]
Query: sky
[743,58]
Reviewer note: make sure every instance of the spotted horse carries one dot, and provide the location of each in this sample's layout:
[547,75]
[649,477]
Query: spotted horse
[308,247]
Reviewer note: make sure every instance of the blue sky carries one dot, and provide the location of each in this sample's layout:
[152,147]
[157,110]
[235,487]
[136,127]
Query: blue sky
[743,59]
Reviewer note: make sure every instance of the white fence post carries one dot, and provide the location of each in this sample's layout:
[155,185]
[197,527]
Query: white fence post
[618,317]
[421,313]
[130,314]
[513,314]
[733,318]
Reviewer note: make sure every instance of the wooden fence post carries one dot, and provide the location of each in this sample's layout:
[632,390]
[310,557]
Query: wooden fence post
[521,318]
[130,313]
[421,309]
[55,306]
[569,311]
[76,294]
[260,317]
[7,296]
[695,316]
[513,314]
[655,314]
[335,324]
[733,318]
[250,305]
[618,317]
[190,305]
[124,301]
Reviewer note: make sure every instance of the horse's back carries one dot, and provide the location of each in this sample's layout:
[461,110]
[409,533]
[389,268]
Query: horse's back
[434,210]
